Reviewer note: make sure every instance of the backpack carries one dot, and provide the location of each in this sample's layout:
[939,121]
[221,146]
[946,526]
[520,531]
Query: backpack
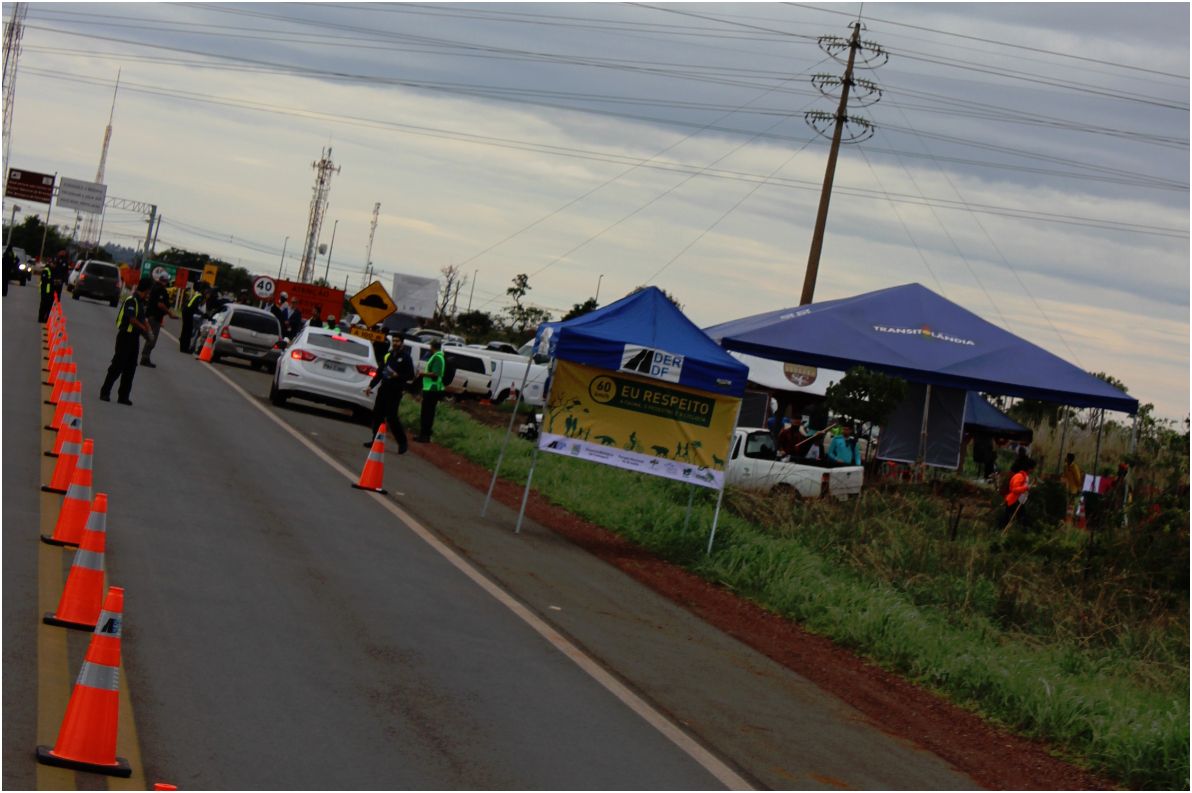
[449,368]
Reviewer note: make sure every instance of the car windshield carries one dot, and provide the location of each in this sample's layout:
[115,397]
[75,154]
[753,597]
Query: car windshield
[102,270]
[337,343]
[250,320]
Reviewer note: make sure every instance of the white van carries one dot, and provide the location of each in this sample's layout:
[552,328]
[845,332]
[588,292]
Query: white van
[508,376]
[473,373]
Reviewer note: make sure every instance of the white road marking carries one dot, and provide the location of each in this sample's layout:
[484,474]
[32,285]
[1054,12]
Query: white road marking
[673,732]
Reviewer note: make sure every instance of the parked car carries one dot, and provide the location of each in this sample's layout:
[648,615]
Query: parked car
[244,332]
[73,276]
[329,367]
[753,464]
[473,371]
[426,335]
[24,265]
[526,349]
[99,280]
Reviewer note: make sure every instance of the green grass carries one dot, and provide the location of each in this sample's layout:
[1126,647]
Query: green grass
[1013,627]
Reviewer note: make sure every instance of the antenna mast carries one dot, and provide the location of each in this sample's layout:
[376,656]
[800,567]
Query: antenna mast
[14,29]
[324,168]
[90,238]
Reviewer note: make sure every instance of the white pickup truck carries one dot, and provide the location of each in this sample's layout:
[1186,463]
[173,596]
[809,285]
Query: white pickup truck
[753,464]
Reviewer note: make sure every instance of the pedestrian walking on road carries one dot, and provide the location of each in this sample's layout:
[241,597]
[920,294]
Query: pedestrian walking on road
[394,374]
[130,324]
[156,311]
[193,306]
[432,390]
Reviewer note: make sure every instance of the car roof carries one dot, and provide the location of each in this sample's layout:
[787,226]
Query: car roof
[251,309]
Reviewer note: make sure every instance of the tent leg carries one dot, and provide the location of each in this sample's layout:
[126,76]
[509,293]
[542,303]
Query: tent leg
[690,502]
[521,513]
[504,445]
[715,520]
[1129,473]
[1059,460]
[1097,453]
[922,462]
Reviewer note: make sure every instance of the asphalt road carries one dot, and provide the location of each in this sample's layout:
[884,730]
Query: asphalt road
[286,631]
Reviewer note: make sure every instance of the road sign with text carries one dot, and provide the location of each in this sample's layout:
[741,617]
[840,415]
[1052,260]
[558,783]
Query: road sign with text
[82,196]
[30,186]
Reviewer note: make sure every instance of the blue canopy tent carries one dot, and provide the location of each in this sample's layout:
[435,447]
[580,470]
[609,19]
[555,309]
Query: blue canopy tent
[980,416]
[644,334]
[912,332]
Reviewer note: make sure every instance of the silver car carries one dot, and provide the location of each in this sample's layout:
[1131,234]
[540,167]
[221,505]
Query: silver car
[244,332]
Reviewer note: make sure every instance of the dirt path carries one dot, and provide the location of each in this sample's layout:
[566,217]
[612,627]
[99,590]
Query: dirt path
[993,757]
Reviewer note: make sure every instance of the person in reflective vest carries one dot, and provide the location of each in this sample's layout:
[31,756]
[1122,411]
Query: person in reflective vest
[47,294]
[1018,492]
[193,305]
[393,375]
[130,324]
[432,390]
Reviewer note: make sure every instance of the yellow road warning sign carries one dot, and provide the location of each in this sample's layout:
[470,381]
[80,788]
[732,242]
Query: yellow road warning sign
[209,272]
[365,333]
[372,303]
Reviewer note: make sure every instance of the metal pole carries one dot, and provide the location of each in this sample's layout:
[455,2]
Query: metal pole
[922,461]
[1059,461]
[473,292]
[12,224]
[327,269]
[1097,455]
[46,229]
[153,248]
[508,432]
[149,232]
[281,265]
[821,219]
[526,495]
[715,519]
[103,215]
[598,280]
[1129,471]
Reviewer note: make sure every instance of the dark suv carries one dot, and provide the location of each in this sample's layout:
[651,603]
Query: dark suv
[99,280]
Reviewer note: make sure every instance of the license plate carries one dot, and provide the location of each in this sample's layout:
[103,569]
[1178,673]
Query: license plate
[335,367]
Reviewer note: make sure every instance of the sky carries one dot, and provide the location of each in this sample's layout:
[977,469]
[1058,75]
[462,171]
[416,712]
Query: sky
[1027,161]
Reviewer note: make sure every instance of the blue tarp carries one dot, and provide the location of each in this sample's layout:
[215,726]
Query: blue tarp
[980,415]
[644,333]
[912,332]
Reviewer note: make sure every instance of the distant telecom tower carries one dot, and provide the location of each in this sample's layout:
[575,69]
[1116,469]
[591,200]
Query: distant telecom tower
[372,232]
[318,208]
[871,57]
[90,236]
[13,30]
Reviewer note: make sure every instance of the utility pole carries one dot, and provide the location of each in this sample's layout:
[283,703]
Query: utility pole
[832,45]
[327,269]
[153,247]
[473,292]
[372,233]
[281,265]
[324,168]
[90,237]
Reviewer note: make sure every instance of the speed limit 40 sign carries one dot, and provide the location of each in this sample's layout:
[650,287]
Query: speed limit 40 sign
[263,287]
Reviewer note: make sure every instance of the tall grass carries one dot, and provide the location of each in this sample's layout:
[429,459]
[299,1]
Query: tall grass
[1089,652]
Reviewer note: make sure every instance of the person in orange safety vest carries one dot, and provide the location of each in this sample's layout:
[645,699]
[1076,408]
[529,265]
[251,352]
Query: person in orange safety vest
[1020,488]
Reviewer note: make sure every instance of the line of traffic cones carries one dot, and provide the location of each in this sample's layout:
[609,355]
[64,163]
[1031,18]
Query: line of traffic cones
[373,475]
[87,736]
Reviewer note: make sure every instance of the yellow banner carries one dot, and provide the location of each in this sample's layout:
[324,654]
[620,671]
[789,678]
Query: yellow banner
[638,423]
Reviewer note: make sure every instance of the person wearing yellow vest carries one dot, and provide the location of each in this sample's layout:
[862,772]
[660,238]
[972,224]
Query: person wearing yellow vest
[130,324]
[1019,491]
[192,306]
[432,389]
[47,294]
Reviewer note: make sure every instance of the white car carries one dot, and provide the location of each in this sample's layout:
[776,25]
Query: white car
[473,370]
[326,366]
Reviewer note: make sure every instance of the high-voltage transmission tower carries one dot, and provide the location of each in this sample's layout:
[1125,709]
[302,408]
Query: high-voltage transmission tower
[13,30]
[372,232]
[90,236]
[859,129]
[324,168]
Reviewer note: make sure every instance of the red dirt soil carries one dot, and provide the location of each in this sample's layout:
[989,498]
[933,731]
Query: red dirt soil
[993,757]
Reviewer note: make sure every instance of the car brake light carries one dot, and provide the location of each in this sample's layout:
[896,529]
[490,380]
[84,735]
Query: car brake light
[364,368]
[302,355]
[224,334]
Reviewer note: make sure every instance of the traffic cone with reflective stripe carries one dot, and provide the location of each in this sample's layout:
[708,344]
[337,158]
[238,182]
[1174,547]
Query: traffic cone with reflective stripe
[82,598]
[71,431]
[57,347]
[71,401]
[374,467]
[66,376]
[68,458]
[72,517]
[65,356]
[208,346]
[87,737]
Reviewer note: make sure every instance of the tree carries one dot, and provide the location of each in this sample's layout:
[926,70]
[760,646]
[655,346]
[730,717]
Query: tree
[866,396]
[522,316]
[475,325]
[28,233]
[453,282]
[229,278]
[579,309]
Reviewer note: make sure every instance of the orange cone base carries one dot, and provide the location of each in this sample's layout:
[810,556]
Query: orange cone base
[63,543]
[50,619]
[46,756]
[380,490]
[49,489]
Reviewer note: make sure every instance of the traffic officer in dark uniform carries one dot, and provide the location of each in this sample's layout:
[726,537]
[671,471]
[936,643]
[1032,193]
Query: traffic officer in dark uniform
[47,294]
[130,324]
[194,305]
[394,375]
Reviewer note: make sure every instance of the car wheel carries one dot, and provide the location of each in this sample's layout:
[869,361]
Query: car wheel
[501,397]
[271,367]
[215,357]
[256,365]
[74,295]
[276,396]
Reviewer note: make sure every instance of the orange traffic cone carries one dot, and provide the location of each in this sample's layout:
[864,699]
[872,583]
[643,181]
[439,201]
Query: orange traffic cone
[70,401]
[67,374]
[72,517]
[65,356]
[208,346]
[56,351]
[68,458]
[82,598]
[374,467]
[70,432]
[87,738]
[164,786]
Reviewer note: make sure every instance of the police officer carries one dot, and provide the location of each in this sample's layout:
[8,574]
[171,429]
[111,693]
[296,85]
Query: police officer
[432,389]
[130,324]
[394,374]
[193,305]
[47,293]
[156,310]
